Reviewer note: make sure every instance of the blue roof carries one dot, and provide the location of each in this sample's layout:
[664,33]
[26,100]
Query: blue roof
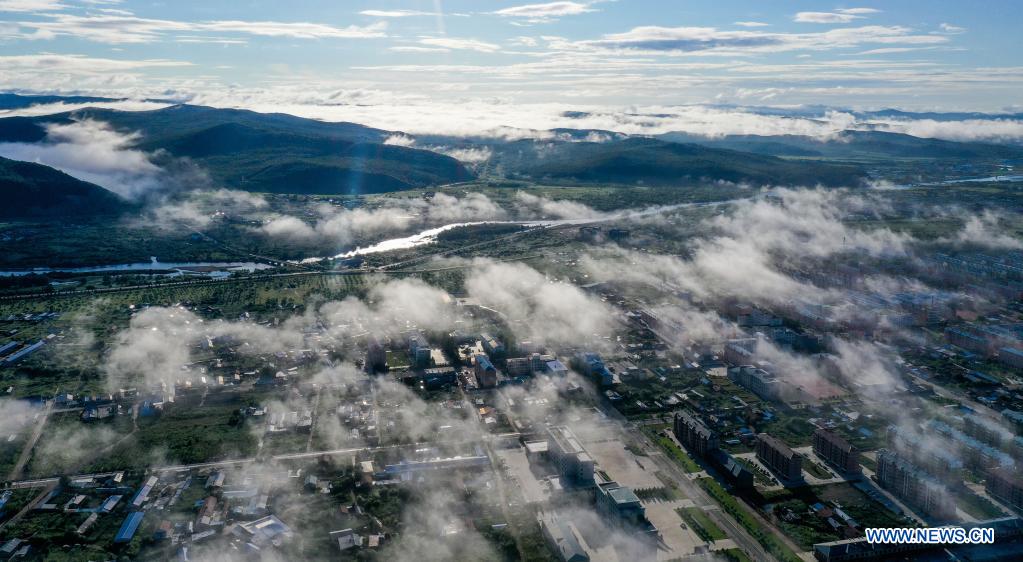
[130,525]
[484,362]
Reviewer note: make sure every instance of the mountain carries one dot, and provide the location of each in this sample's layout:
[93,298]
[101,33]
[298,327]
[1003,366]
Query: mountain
[35,191]
[867,145]
[937,116]
[18,101]
[657,162]
[266,152]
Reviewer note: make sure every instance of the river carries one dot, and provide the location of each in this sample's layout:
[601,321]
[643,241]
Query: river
[428,236]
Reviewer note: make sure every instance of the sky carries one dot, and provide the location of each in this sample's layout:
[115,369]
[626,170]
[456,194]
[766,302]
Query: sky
[492,55]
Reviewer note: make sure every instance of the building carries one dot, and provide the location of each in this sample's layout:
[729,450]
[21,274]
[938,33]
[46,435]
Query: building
[1014,417]
[556,368]
[740,351]
[268,530]
[518,367]
[592,366]
[23,352]
[376,356]
[835,450]
[128,528]
[736,473]
[779,457]
[618,234]
[985,430]
[756,380]
[486,373]
[422,357]
[431,379]
[975,453]
[538,362]
[346,539]
[621,509]
[694,435]
[574,464]
[1005,486]
[913,485]
[562,539]
[968,340]
[1011,356]
[492,345]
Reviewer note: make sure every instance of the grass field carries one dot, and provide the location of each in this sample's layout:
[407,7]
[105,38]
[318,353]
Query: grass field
[673,451]
[701,524]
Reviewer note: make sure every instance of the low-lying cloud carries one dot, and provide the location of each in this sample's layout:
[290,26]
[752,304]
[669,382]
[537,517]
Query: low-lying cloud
[93,151]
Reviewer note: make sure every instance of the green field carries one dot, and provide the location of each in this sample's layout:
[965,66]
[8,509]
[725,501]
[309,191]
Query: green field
[701,524]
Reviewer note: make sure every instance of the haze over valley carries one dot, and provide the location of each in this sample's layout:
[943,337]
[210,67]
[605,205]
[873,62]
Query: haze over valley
[448,280]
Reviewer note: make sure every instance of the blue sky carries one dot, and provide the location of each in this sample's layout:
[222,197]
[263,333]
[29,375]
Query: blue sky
[910,54]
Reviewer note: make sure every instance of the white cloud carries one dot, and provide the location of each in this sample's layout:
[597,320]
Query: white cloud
[460,44]
[838,16]
[542,13]
[541,310]
[496,118]
[396,13]
[31,5]
[198,209]
[751,24]
[415,49]
[297,30]
[953,29]
[342,227]
[122,28]
[656,39]
[81,64]
[93,152]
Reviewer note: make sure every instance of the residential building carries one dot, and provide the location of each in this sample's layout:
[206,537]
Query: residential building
[486,373]
[1005,486]
[985,430]
[740,351]
[779,457]
[913,485]
[1011,356]
[756,380]
[834,449]
[694,435]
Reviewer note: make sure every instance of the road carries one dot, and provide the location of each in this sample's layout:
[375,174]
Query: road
[29,506]
[26,451]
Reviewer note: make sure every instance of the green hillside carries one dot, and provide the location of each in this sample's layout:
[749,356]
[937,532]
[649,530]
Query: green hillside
[655,162]
[35,191]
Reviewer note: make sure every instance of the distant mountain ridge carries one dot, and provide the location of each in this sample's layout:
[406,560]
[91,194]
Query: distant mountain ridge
[656,162]
[275,152]
[852,145]
[266,152]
